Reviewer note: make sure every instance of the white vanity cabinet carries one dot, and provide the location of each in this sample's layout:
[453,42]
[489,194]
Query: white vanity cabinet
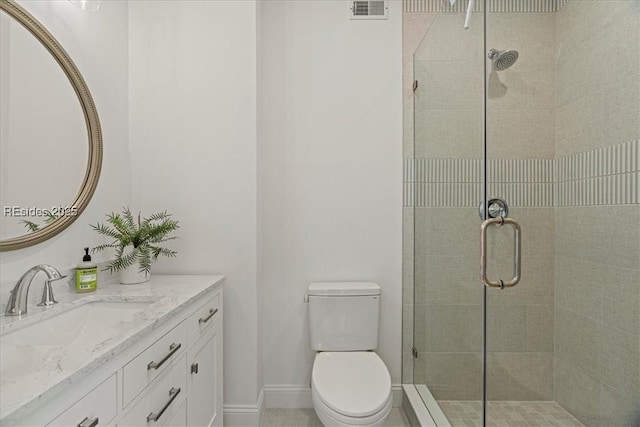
[161,400]
[204,384]
[204,381]
[171,376]
[141,371]
[188,390]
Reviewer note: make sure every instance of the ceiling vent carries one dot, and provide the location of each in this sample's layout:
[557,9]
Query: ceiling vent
[369,9]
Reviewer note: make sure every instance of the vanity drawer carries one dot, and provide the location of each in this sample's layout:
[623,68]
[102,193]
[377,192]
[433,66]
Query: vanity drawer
[179,418]
[162,403]
[95,409]
[204,317]
[138,373]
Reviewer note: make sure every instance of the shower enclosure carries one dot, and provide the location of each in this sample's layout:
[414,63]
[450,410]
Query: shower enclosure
[533,111]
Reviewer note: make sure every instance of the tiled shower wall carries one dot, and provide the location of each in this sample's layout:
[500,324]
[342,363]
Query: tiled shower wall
[570,108]
[520,133]
[597,259]
[443,190]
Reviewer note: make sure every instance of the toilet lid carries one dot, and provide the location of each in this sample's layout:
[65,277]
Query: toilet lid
[352,383]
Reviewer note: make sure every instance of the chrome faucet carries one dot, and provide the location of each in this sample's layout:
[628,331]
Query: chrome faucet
[17,304]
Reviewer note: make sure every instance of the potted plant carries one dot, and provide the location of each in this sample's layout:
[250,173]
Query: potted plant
[137,243]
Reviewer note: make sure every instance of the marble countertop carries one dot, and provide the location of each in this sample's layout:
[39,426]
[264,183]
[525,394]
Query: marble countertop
[32,372]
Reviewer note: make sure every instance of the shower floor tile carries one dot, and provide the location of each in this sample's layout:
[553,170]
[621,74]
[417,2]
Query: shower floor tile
[462,413]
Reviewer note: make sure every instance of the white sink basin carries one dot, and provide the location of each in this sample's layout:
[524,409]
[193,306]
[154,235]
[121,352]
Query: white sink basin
[73,335]
[65,338]
[80,324]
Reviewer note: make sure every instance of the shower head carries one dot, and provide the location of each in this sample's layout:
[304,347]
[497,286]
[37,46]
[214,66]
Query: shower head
[502,59]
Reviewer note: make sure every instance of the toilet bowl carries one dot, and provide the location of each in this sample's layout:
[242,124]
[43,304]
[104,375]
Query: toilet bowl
[351,388]
[350,384]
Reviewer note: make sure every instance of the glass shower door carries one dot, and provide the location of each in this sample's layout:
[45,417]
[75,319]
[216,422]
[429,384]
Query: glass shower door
[548,138]
[520,129]
[445,188]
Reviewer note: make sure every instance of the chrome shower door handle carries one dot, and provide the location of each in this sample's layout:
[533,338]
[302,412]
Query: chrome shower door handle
[517,252]
[517,258]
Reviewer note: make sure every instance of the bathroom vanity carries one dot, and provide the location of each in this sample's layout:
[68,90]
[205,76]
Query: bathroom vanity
[147,354]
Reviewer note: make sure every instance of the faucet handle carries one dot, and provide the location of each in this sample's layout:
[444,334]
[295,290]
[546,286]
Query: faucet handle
[47,292]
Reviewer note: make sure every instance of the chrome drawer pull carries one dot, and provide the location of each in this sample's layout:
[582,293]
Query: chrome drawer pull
[88,422]
[172,349]
[212,313]
[174,392]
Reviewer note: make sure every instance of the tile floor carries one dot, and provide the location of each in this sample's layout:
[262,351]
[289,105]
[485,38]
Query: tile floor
[508,414]
[308,418]
[459,413]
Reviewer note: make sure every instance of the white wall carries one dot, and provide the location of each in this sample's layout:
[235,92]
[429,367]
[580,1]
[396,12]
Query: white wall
[329,172]
[328,181]
[193,152]
[97,43]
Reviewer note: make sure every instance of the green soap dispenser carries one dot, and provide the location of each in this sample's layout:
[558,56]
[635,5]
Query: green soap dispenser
[86,274]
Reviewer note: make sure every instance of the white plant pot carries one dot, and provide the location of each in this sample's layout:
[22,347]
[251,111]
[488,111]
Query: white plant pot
[132,275]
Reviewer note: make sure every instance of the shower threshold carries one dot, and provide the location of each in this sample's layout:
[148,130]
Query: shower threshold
[468,413]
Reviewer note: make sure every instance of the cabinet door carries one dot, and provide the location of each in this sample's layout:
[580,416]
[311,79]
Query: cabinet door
[204,402]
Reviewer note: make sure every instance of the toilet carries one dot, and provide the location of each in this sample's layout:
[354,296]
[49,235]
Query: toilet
[350,384]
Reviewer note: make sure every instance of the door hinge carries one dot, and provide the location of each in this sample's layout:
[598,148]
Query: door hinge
[415,85]
[414,351]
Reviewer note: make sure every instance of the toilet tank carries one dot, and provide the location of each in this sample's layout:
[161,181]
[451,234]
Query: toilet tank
[344,316]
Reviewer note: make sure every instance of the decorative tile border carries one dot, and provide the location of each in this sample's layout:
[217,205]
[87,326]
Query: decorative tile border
[605,176]
[460,6]
[458,182]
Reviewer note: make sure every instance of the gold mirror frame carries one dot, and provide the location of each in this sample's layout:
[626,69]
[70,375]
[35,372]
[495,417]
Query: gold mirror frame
[94,164]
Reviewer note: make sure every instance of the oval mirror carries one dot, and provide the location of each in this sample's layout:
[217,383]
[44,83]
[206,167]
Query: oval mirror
[48,171]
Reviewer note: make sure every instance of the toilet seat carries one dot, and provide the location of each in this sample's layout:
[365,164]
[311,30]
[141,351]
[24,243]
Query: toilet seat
[331,418]
[351,387]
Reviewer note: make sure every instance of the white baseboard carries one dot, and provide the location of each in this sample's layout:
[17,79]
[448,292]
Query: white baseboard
[245,415]
[396,389]
[293,396]
[287,396]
